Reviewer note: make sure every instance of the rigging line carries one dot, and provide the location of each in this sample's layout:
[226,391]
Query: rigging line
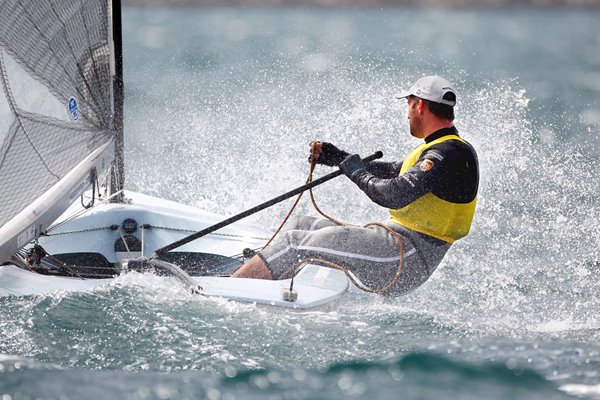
[77,214]
[238,236]
[105,177]
[143,227]
[125,243]
[19,260]
[242,254]
[66,266]
[212,233]
[103,228]
[94,178]
[313,163]
[115,194]
[312,196]
[302,263]
[38,248]
[297,267]
[349,273]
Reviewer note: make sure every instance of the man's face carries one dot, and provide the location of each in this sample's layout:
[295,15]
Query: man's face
[414,118]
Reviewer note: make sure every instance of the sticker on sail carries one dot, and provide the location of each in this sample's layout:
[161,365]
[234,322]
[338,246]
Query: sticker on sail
[73,109]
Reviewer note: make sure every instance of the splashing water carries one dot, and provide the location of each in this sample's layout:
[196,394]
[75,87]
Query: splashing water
[525,269]
[221,106]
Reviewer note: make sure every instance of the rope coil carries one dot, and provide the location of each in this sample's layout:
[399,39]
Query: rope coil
[298,266]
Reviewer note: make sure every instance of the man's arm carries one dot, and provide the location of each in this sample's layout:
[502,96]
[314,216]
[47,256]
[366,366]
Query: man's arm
[398,191]
[384,169]
[330,155]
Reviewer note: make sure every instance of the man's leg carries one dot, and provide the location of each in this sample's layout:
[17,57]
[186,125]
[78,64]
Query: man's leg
[372,254]
[254,268]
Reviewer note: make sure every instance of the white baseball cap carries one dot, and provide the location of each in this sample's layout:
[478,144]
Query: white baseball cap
[433,88]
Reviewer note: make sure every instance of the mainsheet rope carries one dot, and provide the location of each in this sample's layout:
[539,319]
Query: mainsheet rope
[298,266]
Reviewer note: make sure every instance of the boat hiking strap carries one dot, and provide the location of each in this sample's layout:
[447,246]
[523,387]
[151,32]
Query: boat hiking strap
[298,266]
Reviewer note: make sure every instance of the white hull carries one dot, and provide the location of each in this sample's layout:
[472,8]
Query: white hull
[99,229]
[169,222]
[315,286]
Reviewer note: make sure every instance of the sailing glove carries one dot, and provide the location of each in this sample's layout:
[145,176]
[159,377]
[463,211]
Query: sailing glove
[351,164]
[331,155]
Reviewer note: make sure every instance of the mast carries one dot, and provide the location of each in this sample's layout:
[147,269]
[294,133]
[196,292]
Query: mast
[117,181]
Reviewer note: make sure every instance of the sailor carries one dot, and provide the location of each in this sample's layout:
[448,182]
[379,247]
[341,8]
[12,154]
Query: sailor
[431,198]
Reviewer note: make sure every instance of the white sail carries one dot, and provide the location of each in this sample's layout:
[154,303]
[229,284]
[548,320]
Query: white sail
[59,119]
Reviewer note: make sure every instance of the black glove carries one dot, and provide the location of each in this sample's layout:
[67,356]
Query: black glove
[351,164]
[331,155]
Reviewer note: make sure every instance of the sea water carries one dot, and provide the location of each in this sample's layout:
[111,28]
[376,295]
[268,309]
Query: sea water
[221,104]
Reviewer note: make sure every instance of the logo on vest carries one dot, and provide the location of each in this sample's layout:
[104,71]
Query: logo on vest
[426,165]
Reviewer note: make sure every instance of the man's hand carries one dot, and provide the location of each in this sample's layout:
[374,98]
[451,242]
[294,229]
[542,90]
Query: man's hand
[351,164]
[328,154]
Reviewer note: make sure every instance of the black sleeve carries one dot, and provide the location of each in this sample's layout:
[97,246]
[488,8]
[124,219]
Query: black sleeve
[399,191]
[383,169]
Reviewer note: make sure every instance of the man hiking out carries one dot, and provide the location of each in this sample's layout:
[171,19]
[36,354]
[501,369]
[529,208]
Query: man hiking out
[431,198]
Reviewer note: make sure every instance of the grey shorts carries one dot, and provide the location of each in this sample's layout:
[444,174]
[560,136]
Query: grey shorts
[372,254]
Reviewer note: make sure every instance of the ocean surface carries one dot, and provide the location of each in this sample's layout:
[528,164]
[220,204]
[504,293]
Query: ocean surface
[221,104]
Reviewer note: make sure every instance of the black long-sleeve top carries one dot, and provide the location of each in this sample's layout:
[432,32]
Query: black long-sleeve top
[454,176]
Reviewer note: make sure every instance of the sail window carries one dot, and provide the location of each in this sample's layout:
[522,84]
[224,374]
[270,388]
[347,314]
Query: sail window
[31,95]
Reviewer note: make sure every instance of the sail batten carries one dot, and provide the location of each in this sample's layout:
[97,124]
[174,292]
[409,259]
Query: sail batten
[56,109]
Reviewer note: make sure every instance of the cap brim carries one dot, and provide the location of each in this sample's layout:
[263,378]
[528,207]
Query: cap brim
[403,95]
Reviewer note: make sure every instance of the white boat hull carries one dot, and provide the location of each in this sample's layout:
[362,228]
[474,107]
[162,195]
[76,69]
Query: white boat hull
[315,286]
[168,221]
[98,230]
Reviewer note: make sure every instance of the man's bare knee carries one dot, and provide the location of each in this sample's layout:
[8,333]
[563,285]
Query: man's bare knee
[254,268]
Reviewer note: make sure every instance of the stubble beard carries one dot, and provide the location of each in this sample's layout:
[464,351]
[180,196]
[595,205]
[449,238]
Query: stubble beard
[415,127]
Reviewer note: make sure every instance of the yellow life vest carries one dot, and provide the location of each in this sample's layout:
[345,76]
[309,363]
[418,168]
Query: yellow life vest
[431,215]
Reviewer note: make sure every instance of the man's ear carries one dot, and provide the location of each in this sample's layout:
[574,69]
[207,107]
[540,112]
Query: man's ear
[421,106]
